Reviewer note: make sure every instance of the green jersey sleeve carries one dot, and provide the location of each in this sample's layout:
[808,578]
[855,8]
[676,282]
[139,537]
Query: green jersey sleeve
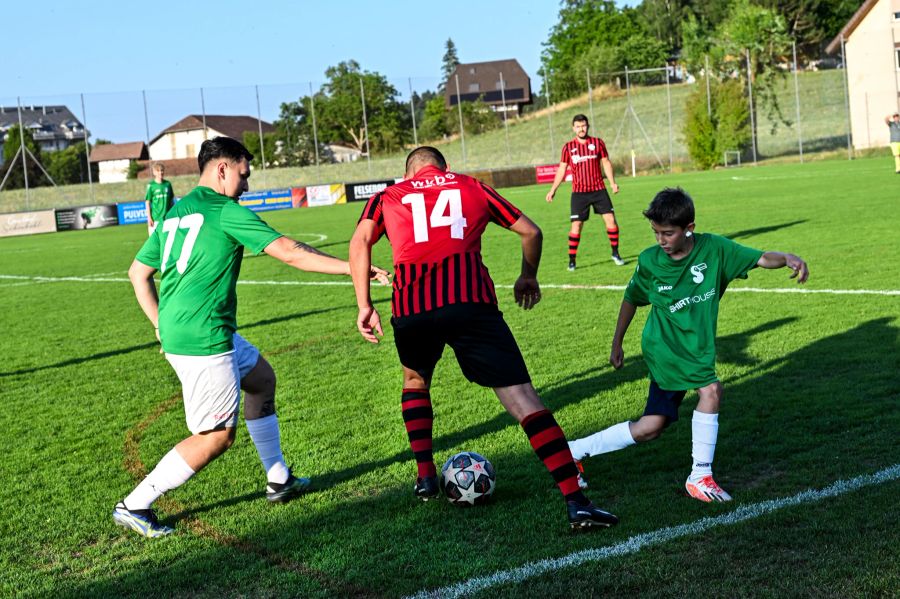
[244,226]
[737,259]
[149,252]
[637,292]
[148,195]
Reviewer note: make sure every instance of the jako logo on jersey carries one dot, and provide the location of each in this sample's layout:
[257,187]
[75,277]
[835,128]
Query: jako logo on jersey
[438,180]
[697,271]
[662,288]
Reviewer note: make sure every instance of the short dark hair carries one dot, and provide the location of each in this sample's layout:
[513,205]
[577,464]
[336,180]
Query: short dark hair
[580,118]
[427,155]
[671,206]
[222,147]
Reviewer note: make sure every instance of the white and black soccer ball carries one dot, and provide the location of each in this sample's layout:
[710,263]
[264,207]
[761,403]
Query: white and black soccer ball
[468,478]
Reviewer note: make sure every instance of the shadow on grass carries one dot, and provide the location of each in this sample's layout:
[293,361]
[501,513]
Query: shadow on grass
[822,412]
[142,346]
[762,230]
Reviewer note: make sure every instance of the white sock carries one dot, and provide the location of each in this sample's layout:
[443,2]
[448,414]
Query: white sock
[171,472]
[613,438]
[267,438]
[705,428]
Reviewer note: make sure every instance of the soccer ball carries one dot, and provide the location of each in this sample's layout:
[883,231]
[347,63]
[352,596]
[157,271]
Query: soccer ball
[467,478]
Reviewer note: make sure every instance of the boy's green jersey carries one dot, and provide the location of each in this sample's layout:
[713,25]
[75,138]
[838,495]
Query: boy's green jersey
[161,197]
[198,249]
[679,339]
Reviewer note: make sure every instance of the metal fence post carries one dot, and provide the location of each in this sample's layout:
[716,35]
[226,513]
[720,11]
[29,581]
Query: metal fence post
[708,96]
[590,96]
[847,99]
[87,148]
[203,109]
[797,97]
[549,112]
[362,96]
[752,115]
[412,111]
[22,150]
[505,116]
[262,145]
[669,109]
[312,105]
[146,119]
[462,131]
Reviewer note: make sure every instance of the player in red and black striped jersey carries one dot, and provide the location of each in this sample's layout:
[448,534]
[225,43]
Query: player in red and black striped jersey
[443,295]
[585,155]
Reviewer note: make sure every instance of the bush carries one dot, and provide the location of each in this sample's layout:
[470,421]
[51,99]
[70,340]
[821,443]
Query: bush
[727,128]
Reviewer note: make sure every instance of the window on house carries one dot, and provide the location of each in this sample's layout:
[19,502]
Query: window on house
[474,87]
[471,70]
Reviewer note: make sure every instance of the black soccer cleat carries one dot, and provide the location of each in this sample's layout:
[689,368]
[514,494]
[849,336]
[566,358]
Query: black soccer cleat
[571,264]
[426,488]
[582,517]
[290,489]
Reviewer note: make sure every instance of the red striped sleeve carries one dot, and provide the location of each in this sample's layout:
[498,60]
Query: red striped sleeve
[502,211]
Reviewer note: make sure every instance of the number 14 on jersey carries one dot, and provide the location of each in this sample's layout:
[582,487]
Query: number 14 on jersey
[447,212]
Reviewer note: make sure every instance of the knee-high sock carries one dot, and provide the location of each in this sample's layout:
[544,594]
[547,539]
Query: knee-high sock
[171,472]
[418,417]
[613,235]
[574,240]
[549,443]
[705,431]
[267,439]
[616,437]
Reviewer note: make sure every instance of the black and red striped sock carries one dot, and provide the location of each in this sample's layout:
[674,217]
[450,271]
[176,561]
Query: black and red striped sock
[613,235]
[574,240]
[418,418]
[549,443]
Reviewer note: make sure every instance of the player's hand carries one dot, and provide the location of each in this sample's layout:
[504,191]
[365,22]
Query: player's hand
[527,292]
[150,223]
[368,322]
[796,264]
[550,195]
[614,187]
[616,356]
[376,273]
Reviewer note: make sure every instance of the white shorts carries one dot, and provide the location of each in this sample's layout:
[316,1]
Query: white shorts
[211,385]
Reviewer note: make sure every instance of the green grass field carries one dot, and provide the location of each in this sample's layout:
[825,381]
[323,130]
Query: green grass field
[823,126]
[811,398]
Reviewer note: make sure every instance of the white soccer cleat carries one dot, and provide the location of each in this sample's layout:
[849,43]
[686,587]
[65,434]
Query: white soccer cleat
[706,489]
[618,260]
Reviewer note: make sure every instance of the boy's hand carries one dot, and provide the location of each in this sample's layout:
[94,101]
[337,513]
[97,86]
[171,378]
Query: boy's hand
[796,264]
[616,356]
[527,292]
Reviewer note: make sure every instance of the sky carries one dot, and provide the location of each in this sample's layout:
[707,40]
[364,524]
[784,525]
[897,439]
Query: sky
[117,54]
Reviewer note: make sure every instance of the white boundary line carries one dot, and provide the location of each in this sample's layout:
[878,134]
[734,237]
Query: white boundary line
[800,290]
[638,542]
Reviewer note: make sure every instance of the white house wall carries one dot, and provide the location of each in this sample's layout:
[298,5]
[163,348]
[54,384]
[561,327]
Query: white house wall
[113,171]
[180,144]
[872,76]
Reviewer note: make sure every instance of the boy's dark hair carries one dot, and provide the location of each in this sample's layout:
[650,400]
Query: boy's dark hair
[671,206]
[580,118]
[222,147]
[427,155]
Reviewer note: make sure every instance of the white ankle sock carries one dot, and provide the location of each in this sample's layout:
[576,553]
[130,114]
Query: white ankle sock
[705,429]
[613,438]
[267,439]
[171,472]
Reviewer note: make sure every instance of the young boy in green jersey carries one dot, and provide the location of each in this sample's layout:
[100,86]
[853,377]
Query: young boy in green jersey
[682,278]
[159,197]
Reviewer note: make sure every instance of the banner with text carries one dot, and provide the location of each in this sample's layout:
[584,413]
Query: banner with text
[546,172]
[270,199]
[325,195]
[27,223]
[87,217]
[360,192]
[131,213]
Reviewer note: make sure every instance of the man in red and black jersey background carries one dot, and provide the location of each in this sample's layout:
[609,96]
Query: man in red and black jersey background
[585,155]
[443,295]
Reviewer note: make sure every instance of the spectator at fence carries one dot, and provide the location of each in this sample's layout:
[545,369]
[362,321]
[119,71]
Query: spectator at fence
[893,123]
[159,197]
[586,155]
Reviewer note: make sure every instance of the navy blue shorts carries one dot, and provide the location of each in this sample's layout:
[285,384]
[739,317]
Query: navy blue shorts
[663,403]
[485,348]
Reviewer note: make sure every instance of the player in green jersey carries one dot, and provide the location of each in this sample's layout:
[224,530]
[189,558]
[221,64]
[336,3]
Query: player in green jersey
[198,249]
[159,197]
[682,279]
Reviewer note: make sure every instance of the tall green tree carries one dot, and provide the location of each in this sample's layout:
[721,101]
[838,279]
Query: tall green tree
[448,64]
[16,178]
[294,133]
[812,23]
[69,166]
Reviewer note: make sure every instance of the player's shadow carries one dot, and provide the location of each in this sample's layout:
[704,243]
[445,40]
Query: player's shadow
[761,230]
[127,350]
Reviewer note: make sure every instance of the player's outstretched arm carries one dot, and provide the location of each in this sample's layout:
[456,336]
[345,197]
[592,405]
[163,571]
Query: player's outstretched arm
[557,181]
[368,321]
[305,257]
[626,315]
[781,259]
[141,277]
[527,291]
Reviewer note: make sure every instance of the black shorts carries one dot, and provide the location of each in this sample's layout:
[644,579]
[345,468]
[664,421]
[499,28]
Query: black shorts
[485,348]
[582,202]
[663,403]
